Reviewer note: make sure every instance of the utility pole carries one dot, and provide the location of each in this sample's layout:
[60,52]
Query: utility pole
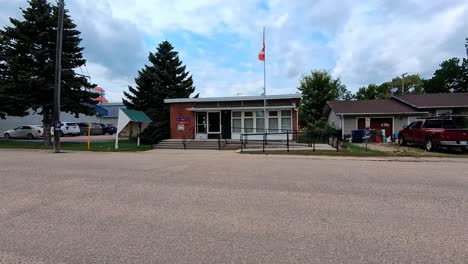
[265,114]
[403,82]
[58,77]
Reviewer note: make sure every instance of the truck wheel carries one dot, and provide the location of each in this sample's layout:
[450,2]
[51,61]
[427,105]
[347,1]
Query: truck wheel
[429,145]
[402,141]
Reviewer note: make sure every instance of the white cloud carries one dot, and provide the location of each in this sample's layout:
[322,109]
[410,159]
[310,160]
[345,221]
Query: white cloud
[361,41]
[374,47]
[114,85]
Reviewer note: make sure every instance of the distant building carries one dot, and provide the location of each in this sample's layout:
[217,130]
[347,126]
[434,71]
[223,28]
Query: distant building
[106,113]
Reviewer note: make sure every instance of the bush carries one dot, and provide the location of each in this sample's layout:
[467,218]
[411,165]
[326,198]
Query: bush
[320,131]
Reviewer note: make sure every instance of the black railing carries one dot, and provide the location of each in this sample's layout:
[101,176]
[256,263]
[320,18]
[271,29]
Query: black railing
[184,142]
[221,142]
[306,137]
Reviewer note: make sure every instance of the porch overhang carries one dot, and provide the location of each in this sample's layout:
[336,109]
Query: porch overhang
[200,109]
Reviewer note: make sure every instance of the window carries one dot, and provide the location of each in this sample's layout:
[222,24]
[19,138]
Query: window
[236,125]
[433,124]
[260,125]
[273,125]
[248,125]
[248,114]
[236,122]
[416,124]
[260,121]
[273,113]
[285,123]
[285,120]
[449,124]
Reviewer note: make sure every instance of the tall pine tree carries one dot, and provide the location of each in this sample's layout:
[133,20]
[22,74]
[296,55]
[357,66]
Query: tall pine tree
[165,77]
[28,72]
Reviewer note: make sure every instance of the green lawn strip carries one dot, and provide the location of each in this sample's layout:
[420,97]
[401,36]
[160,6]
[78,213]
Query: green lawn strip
[352,150]
[124,145]
[22,144]
[358,150]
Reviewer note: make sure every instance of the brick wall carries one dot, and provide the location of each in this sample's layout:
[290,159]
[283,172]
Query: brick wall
[178,110]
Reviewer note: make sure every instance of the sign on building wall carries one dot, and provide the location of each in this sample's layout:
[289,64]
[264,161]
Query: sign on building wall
[367,122]
[183,120]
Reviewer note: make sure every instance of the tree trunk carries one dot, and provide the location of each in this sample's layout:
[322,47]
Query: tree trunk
[47,125]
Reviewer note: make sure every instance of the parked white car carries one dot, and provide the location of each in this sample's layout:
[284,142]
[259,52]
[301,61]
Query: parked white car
[29,132]
[69,128]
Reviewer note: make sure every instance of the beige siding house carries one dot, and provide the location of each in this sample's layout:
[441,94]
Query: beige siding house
[391,115]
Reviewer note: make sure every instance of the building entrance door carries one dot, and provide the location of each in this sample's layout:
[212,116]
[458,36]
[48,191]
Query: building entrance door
[214,124]
[201,125]
[226,124]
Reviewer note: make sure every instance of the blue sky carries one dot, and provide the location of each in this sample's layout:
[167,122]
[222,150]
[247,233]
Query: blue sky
[361,42]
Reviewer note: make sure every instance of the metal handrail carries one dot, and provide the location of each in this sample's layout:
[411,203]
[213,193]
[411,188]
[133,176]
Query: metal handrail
[244,137]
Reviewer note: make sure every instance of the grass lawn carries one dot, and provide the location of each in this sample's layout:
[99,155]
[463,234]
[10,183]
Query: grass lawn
[352,150]
[124,145]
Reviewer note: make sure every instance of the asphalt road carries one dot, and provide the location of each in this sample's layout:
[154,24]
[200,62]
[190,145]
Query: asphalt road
[222,207]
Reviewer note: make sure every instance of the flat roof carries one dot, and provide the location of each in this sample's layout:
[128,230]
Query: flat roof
[233,98]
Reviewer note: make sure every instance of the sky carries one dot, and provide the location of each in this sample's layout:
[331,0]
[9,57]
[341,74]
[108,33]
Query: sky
[361,42]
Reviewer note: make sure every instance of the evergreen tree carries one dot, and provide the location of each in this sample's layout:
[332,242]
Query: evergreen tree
[29,65]
[8,106]
[466,46]
[165,77]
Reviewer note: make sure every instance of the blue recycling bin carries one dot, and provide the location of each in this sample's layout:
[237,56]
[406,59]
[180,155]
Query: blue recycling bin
[357,136]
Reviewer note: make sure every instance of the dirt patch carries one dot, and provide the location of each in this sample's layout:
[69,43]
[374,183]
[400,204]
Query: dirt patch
[408,150]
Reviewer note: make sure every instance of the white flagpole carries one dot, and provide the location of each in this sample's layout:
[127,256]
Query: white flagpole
[264,84]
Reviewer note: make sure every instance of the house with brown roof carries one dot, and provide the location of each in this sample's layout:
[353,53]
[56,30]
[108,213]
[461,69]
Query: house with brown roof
[391,114]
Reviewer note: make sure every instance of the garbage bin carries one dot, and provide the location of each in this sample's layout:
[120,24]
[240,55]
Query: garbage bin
[357,135]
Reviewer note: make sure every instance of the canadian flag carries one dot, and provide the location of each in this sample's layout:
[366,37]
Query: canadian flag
[261,55]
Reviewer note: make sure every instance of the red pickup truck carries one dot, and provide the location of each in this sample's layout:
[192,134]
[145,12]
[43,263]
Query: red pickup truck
[434,133]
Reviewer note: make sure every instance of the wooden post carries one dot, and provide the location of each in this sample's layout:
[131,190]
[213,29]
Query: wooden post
[139,131]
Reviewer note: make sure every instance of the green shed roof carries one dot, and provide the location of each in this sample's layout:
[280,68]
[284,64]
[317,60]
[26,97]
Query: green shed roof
[136,116]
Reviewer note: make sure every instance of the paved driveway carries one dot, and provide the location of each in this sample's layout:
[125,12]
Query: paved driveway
[220,207]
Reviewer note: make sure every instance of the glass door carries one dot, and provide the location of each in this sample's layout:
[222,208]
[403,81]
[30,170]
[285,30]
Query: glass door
[201,125]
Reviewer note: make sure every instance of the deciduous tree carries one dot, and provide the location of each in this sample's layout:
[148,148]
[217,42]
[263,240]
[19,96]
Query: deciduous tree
[317,88]
[451,76]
